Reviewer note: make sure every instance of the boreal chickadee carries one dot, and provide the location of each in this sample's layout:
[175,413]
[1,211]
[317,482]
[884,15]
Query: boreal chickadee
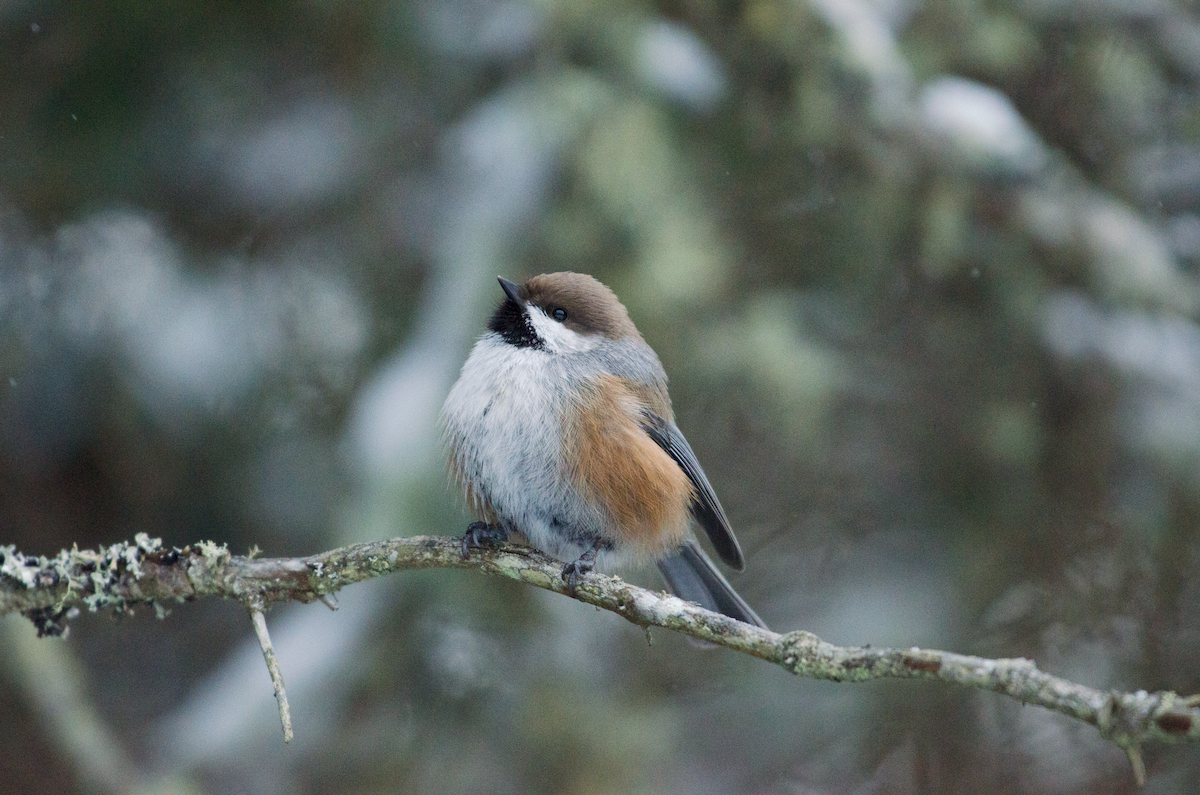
[560,428]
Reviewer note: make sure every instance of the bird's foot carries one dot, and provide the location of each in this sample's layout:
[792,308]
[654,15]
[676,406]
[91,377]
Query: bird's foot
[577,568]
[480,535]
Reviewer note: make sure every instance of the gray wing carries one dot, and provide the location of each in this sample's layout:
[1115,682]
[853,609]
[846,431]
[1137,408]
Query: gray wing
[692,576]
[706,508]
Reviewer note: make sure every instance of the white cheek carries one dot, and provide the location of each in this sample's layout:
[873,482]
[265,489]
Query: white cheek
[559,338]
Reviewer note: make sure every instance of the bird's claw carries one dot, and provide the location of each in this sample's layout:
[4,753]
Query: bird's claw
[480,535]
[579,567]
[574,570]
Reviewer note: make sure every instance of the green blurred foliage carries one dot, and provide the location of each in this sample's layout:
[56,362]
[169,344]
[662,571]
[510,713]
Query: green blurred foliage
[946,392]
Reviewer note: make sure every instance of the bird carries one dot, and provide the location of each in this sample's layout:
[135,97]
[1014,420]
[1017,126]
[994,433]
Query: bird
[560,429]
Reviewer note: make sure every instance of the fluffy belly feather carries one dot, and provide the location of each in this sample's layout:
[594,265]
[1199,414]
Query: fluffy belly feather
[503,424]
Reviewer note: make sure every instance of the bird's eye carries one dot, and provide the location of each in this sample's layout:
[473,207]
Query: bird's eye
[559,314]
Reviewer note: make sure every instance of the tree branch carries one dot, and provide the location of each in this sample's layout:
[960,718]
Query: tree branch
[49,591]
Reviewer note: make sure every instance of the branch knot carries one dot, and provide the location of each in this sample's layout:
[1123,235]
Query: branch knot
[797,649]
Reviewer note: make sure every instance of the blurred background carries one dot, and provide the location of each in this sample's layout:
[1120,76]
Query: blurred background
[924,274]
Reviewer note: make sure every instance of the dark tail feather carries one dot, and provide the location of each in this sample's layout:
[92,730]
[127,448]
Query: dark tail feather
[692,576]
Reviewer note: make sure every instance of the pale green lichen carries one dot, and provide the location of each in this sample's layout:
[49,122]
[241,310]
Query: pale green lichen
[107,567]
[212,557]
[99,575]
[212,552]
[531,576]
[17,566]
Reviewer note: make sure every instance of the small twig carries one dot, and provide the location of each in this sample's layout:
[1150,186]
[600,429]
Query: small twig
[264,640]
[1134,753]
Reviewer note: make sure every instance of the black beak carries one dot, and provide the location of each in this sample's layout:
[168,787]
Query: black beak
[511,290]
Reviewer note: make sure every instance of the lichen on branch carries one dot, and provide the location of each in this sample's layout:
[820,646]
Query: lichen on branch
[51,591]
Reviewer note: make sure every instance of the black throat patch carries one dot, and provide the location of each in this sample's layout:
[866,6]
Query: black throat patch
[511,322]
